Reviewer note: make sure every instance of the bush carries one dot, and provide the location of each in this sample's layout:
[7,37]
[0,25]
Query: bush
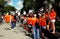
[58,26]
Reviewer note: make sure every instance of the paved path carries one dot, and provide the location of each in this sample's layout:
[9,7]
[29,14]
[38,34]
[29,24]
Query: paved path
[12,34]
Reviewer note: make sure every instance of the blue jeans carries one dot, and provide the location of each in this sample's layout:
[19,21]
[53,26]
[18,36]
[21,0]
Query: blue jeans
[13,24]
[36,34]
[44,27]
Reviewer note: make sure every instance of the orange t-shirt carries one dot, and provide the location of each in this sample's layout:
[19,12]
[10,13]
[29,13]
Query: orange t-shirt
[42,21]
[7,18]
[47,15]
[12,18]
[34,20]
[29,20]
[52,15]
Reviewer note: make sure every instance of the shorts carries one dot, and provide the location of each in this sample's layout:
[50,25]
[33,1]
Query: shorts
[44,27]
[52,20]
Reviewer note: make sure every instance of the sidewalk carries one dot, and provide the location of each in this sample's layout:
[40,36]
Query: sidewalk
[9,34]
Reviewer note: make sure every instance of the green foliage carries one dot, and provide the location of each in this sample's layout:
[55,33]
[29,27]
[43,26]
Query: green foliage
[22,10]
[2,2]
[31,4]
[28,4]
[8,9]
[5,9]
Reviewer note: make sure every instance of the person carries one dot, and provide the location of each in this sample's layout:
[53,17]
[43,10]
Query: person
[35,30]
[7,18]
[22,18]
[13,21]
[52,18]
[47,20]
[25,24]
[3,18]
[29,23]
[42,23]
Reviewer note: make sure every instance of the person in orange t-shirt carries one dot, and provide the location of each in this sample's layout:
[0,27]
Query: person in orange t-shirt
[29,20]
[52,16]
[29,24]
[13,21]
[35,30]
[42,23]
[34,20]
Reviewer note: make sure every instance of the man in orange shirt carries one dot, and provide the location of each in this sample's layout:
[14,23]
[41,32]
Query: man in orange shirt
[35,30]
[52,18]
[13,21]
[42,23]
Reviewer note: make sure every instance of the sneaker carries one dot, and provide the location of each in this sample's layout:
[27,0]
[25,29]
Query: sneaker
[12,29]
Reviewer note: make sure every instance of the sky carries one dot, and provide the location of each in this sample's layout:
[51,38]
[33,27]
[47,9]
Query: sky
[18,4]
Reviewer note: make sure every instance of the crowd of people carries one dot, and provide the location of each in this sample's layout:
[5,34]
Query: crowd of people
[37,22]
[34,23]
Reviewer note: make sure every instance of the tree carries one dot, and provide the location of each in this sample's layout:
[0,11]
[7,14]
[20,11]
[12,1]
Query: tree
[33,4]
[39,4]
[22,10]
[5,9]
[8,9]
[2,4]
[28,4]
